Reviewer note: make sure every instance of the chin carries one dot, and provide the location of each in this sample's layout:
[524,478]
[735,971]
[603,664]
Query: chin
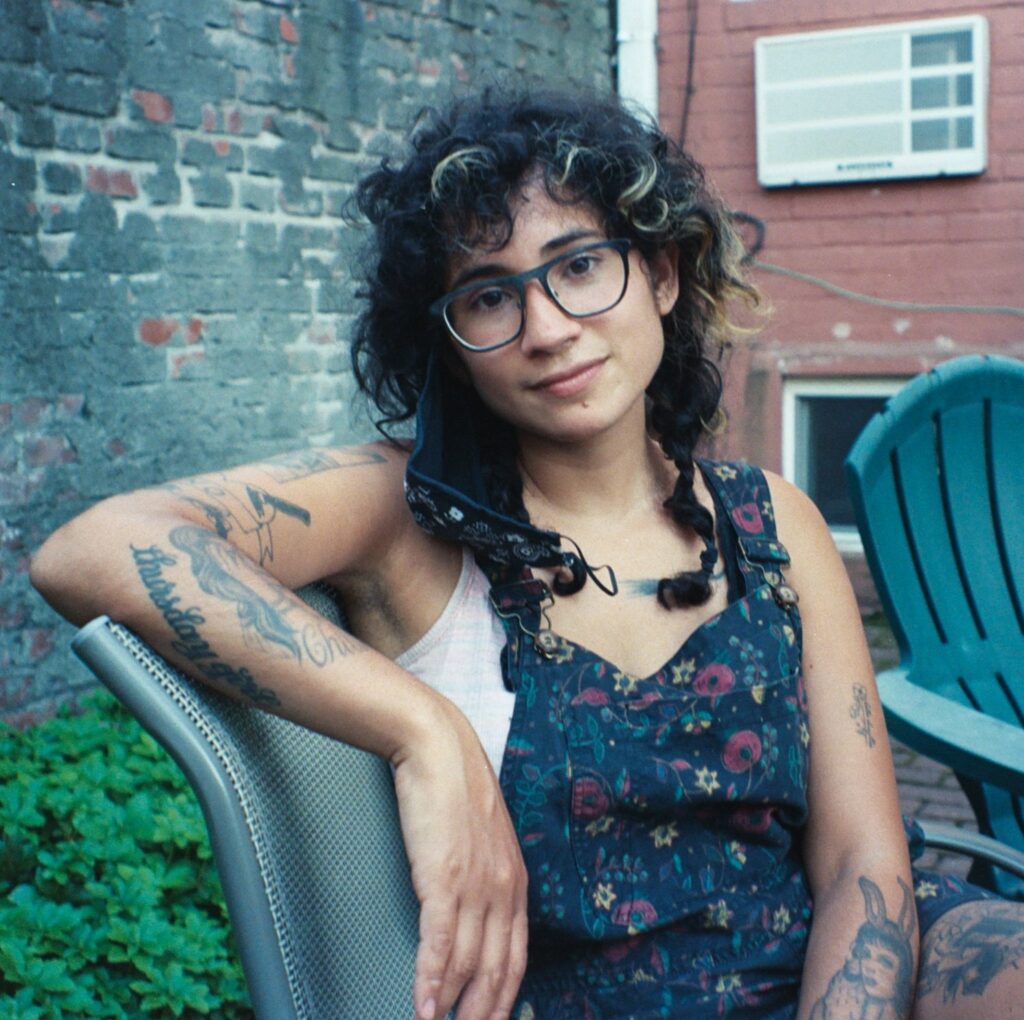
[571,429]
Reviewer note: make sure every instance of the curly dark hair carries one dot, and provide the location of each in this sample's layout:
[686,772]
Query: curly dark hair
[453,192]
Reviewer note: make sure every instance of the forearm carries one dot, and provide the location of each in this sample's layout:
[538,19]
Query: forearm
[209,609]
[862,955]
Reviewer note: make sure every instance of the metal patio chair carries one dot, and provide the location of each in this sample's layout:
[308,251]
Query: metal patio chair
[937,483]
[304,830]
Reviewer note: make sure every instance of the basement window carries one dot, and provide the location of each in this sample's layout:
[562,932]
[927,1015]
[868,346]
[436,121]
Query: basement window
[821,419]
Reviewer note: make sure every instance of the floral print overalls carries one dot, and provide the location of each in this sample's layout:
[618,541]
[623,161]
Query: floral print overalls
[659,817]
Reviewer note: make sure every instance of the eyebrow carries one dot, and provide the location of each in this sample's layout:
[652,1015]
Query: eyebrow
[491,270]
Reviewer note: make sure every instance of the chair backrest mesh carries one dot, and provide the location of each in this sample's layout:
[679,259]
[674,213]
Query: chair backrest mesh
[324,827]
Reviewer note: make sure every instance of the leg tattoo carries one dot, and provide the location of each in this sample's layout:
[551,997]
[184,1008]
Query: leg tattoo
[965,951]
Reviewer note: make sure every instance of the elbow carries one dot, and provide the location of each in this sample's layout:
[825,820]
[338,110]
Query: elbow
[54,572]
[76,570]
[42,570]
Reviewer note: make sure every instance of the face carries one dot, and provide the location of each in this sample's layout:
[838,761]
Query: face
[879,968]
[565,379]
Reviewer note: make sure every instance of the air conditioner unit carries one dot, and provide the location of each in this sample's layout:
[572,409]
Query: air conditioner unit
[870,103]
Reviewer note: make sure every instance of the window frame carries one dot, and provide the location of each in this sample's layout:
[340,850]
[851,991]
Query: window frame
[794,389]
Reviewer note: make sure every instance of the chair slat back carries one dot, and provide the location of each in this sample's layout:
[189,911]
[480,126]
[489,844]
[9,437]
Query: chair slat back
[938,485]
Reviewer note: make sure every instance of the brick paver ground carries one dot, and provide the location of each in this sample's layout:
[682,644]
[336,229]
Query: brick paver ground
[929,791]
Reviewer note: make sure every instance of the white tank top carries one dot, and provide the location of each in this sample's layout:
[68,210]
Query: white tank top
[460,657]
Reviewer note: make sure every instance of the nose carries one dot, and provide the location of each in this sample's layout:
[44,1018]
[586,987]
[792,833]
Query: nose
[545,325]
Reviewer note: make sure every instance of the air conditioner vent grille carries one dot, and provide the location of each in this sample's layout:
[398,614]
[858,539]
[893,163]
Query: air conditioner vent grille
[904,100]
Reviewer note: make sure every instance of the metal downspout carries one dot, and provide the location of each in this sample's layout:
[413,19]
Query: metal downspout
[636,48]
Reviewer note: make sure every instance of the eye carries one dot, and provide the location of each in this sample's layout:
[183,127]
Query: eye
[586,268]
[580,265]
[489,299]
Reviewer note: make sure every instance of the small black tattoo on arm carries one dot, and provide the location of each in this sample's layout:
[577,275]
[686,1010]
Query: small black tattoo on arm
[967,948]
[185,624]
[860,713]
[877,978]
[235,506]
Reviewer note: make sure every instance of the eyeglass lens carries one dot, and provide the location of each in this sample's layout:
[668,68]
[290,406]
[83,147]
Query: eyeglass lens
[584,282]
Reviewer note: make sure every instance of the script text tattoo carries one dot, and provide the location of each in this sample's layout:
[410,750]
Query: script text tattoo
[185,624]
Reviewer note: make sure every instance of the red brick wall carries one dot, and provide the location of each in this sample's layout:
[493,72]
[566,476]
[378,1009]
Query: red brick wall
[958,240]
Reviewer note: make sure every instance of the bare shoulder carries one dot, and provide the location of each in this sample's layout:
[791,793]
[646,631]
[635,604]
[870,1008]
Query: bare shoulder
[337,514]
[359,495]
[798,520]
[300,465]
[394,578]
[816,568]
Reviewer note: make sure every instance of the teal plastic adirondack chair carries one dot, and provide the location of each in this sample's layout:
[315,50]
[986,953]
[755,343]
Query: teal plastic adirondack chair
[937,483]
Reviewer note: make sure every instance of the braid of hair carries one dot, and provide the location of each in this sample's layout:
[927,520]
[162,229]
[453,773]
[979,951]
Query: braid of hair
[692,393]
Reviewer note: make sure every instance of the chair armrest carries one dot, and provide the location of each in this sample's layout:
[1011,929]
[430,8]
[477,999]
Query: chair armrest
[973,844]
[969,742]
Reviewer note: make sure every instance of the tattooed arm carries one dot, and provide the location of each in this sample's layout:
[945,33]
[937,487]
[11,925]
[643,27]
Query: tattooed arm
[862,953]
[202,569]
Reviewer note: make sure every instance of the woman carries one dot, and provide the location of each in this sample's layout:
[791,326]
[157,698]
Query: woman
[662,657]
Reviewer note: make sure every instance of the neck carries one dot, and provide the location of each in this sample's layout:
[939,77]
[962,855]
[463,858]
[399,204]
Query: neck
[607,478]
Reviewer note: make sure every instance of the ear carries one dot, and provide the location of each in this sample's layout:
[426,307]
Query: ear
[874,904]
[663,269]
[908,912]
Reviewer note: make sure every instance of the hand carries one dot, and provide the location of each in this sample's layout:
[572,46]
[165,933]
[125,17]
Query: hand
[467,872]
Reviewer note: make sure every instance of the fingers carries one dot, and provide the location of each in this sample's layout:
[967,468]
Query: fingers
[437,939]
[464,966]
[468,874]
[501,963]
[466,958]
[516,968]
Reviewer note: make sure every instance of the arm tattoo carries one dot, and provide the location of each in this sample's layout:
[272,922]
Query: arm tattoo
[225,572]
[291,466]
[185,623]
[238,506]
[968,947]
[878,976]
[215,565]
[860,713]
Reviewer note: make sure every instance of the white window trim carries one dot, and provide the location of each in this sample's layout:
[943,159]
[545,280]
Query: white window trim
[847,539]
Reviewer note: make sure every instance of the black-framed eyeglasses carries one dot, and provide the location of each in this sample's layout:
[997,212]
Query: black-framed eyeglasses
[491,313]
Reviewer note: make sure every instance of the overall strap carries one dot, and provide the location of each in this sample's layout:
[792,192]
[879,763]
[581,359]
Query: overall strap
[520,601]
[743,491]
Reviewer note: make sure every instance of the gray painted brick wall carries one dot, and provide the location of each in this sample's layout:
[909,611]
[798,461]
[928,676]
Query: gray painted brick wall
[175,286]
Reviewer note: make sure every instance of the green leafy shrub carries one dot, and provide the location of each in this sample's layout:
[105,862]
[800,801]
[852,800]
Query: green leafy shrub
[110,904]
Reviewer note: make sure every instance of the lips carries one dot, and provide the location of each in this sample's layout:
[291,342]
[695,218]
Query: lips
[569,381]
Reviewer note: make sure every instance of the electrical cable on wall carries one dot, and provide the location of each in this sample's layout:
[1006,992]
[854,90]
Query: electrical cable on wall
[833,288]
[759,227]
[691,13]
